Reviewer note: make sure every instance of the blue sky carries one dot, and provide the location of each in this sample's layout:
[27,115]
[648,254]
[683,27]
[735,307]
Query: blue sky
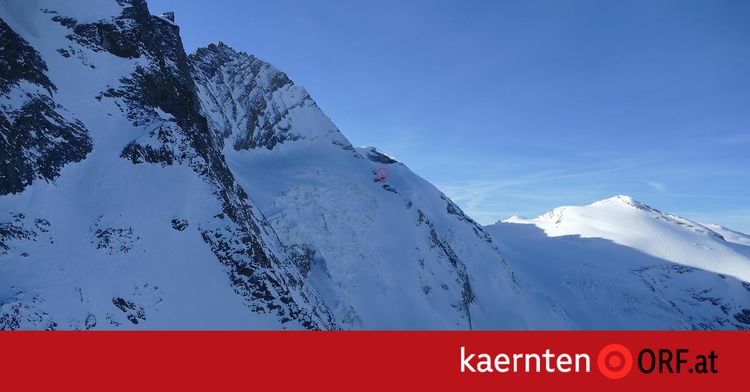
[515,107]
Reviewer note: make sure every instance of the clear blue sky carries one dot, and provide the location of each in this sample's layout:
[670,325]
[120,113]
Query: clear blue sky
[516,107]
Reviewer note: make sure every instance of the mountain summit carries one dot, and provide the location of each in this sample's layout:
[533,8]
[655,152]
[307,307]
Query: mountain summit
[253,104]
[625,221]
[619,263]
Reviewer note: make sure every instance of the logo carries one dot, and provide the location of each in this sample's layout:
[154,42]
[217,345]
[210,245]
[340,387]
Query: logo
[615,361]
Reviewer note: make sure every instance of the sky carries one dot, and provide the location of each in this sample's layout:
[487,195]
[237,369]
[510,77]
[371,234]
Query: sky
[517,107]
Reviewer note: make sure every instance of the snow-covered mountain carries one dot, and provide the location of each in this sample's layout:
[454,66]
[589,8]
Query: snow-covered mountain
[618,263]
[117,208]
[125,194]
[144,188]
[395,253]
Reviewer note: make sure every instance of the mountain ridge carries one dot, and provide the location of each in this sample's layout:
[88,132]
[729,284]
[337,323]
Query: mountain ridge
[608,259]
[626,221]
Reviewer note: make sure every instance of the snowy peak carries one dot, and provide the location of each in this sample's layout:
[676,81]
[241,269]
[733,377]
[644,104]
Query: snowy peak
[619,263]
[515,219]
[212,58]
[622,203]
[625,221]
[619,204]
[622,207]
[623,200]
[613,270]
[254,105]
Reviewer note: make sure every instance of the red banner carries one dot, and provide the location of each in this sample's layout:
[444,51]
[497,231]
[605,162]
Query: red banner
[668,361]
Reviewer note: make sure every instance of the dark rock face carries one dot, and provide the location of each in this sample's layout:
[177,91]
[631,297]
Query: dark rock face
[114,240]
[239,237]
[21,228]
[179,224]
[743,316]
[128,35]
[457,267]
[374,155]
[453,209]
[15,314]
[302,256]
[19,61]
[133,312]
[37,136]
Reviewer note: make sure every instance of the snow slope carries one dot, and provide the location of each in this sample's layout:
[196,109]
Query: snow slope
[618,263]
[729,234]
[384,255]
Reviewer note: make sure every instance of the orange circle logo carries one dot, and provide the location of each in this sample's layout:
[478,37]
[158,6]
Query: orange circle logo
[615,361]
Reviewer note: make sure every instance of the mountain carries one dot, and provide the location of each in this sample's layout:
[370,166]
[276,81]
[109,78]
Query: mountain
[393,253]
[618,263]
[117,208]
[145,188]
